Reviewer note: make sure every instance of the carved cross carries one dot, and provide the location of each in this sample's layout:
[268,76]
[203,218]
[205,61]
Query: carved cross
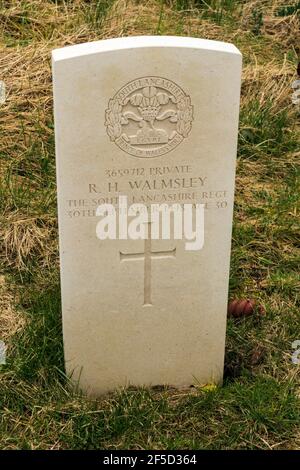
[148,255]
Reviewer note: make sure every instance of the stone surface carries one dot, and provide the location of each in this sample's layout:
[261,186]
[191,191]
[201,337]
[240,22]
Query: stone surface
[145,312]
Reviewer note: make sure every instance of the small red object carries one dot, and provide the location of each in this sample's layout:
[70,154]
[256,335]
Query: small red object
[244,308]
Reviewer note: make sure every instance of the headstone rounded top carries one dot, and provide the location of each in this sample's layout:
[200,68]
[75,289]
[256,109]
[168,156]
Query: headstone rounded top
[133,42]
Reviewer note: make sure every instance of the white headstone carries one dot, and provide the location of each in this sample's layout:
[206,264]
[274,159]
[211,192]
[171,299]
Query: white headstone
[154,119]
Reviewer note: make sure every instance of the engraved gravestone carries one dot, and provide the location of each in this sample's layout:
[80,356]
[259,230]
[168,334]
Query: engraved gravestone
[153,120]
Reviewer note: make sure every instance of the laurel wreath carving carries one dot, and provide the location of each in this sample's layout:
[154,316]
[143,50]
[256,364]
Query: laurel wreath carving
[114,119]
[185,116]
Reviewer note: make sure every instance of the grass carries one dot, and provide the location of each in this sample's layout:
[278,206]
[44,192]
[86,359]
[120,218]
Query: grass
[258,406]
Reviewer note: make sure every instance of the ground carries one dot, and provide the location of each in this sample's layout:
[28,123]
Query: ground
[258,405]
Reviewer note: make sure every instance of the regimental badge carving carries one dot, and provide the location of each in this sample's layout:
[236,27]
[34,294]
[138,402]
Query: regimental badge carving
[149,117]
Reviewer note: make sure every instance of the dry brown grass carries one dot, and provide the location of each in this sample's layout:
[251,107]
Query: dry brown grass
[270,83]
[28,104]
[285,30]
[11,320]
[29,239]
